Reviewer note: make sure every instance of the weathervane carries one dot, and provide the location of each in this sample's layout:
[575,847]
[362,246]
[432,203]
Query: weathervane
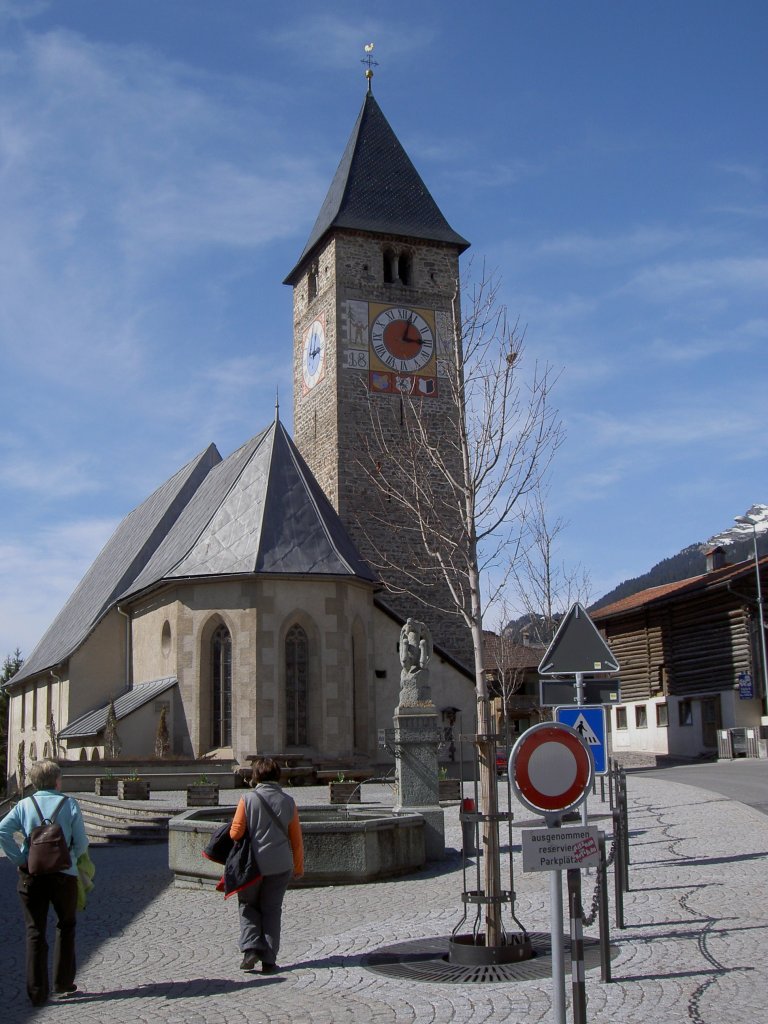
[370,62]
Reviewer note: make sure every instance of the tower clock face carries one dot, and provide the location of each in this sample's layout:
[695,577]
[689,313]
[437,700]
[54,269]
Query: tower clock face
[313,354]
[402,339]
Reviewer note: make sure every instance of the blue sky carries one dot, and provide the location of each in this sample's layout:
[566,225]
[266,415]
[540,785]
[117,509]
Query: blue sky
[161,165]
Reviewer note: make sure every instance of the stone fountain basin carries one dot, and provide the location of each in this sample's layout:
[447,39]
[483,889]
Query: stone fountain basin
[342,846]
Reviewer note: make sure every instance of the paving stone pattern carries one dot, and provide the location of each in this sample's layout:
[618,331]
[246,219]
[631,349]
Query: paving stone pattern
[694,948]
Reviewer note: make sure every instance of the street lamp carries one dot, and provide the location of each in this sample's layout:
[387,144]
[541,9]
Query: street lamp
[751,521]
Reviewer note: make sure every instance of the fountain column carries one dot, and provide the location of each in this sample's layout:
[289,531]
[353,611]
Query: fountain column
[417,738]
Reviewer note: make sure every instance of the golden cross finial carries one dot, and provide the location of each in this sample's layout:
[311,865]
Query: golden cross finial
[369,62]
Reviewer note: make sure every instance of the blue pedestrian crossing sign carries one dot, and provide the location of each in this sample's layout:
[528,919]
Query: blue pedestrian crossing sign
[589,722]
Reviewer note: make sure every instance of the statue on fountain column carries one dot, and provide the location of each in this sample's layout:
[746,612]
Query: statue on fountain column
[415,653]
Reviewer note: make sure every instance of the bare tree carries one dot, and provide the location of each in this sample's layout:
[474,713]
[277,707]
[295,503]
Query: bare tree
[507,661]
[546,588]
[459,486]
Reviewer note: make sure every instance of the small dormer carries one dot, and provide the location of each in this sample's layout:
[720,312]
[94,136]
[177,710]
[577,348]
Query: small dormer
[715,558]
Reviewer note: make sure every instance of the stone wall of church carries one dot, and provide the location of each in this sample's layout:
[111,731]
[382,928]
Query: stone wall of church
[98,669]
[258,613]
[30,707]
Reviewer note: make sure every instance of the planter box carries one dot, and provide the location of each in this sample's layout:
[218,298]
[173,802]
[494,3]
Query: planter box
[129,789]
[202,796]
[449,789]
[105,787]
[344,792]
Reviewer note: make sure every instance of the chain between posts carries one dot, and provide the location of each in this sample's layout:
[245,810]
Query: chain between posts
[589,919]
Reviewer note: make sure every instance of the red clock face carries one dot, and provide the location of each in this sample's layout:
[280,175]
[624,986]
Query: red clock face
[403,339]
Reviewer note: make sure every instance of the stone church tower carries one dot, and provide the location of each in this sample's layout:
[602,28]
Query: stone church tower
[372,320]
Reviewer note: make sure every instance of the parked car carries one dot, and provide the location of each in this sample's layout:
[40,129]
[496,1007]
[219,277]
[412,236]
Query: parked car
[502,760]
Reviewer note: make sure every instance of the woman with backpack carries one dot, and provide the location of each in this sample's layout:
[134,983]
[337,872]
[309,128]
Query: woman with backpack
[268,818]
[45,877]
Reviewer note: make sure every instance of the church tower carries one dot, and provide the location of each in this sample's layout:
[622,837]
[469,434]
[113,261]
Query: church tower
[372,320]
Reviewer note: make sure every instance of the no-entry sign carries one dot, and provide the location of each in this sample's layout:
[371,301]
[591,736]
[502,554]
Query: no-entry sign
[551,768]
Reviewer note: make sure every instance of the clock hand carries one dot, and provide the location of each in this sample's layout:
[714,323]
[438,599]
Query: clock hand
[406,339]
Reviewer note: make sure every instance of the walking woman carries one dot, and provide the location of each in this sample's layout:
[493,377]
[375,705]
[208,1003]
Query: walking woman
[38,892]
[269,817]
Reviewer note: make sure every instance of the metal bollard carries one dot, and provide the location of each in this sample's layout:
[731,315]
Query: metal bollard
[579,989]
[624,838]
[618,870]
[602,910]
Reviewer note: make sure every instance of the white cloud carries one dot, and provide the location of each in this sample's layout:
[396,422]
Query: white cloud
[673,428]
[668,281]
[21,471]
[50,568]
[336,40]
[624,246]
[729,343]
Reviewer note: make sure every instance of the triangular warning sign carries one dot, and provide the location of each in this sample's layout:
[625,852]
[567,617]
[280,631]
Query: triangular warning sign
[577,647]
[584,729]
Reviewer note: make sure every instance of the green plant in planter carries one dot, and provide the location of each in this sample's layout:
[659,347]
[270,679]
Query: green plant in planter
[442,773]
[341,777]
[203,780]
[107,774]
[133,777]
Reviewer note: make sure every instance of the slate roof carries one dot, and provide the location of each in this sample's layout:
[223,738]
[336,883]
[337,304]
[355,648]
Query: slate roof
[92,722]
[120,561]
[681,589]
[376,188]
[259,511]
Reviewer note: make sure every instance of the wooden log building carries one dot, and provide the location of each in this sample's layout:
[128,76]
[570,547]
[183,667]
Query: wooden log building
[691,661]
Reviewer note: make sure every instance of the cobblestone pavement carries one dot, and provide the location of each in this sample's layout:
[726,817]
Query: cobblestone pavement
[694,948]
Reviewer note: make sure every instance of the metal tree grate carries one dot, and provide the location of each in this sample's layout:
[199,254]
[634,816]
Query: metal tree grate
[427,960]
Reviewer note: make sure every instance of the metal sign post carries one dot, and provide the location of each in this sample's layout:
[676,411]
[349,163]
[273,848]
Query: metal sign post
[577,649]
[551,769]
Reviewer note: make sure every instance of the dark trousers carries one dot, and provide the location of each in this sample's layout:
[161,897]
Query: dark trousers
[37,893]
[261,911]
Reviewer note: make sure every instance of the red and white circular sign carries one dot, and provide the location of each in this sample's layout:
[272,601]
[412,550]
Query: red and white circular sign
[551,768]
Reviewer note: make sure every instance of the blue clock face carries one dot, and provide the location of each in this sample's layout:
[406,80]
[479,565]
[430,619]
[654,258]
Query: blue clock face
[313,356]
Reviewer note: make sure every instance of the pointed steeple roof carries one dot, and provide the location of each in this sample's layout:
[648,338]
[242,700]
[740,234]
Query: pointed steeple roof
[259,511]
[376,188]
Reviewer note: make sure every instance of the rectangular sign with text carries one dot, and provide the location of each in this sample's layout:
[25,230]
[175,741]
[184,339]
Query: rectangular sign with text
[557,849]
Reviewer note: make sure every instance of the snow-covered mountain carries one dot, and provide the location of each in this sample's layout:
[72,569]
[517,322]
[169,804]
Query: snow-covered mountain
[743,531]
[738,541]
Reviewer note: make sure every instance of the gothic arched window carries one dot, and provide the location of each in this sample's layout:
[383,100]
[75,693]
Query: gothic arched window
[296,686]
[221,679]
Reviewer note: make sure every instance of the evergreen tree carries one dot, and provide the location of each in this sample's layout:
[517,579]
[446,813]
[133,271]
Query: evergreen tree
[112,745]
[11,666]
[163,737]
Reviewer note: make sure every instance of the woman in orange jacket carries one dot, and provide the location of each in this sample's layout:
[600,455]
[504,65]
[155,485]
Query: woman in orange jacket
[271,820]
